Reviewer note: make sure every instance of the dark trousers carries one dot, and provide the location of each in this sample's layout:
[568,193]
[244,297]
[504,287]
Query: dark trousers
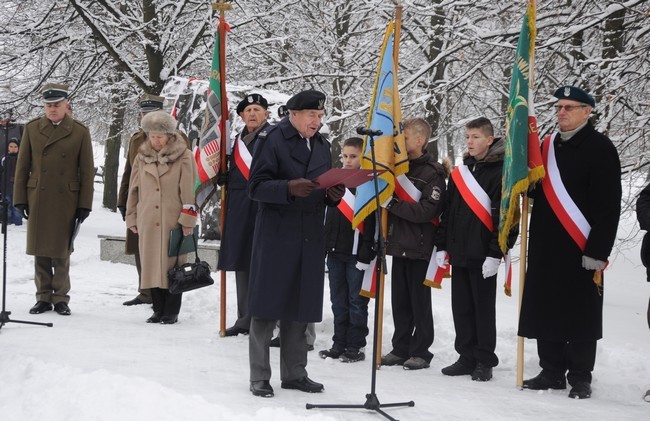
[473,306]
[243,318]
[164,303]
[350,309]
[52,279]
[144,295]
[578,357]
[293,349]
[412,313]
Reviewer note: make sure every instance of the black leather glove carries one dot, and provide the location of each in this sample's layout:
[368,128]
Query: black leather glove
[301,187]
[222,178]
[82,214]
[335,193]
[24,210]
[123,212]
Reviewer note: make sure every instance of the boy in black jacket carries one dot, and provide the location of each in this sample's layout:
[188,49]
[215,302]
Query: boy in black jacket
[411,230]
[349,253]
[473,250]
[8,174]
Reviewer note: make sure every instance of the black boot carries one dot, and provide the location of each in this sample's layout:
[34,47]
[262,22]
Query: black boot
[171,308]
[158,301]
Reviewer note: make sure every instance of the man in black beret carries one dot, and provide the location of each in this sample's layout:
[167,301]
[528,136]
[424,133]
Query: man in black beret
[237,236]
[572,232]
[287,271]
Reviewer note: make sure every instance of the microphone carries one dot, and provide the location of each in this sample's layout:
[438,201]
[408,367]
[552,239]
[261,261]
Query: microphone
[367,131]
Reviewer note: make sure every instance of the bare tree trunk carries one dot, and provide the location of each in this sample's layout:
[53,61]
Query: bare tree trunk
[112,153]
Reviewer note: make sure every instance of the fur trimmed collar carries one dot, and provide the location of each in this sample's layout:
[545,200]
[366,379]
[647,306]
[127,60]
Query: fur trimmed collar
[173,150]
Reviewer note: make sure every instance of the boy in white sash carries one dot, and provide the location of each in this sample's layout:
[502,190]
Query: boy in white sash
[347,251]
[572,231]
[468,234]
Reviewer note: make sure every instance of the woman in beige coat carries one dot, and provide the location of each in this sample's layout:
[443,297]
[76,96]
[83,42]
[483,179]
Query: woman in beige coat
[161,197]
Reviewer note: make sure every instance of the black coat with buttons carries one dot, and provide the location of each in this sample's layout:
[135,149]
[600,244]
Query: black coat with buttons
[288,261]
[54,176]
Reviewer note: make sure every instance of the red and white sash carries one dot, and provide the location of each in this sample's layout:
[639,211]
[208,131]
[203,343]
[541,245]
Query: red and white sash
[565,209]
[474,195]
[405,190]
[481,204]
[243,157]
[346,206]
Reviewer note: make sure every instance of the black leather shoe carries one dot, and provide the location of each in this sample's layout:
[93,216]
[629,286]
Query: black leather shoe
[40,307]
[581,390]
[304,384]
[275,342]
[169,320]
[543,382]
[235,330]
[482,373]
[330,353]
[62,308]
[457,369]
[262,388]
[134,302]
[155,318]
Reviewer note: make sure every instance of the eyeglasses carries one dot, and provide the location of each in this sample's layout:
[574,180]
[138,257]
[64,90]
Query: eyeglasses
[568,108]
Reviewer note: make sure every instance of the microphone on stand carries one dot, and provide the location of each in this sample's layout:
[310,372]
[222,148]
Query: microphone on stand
[367,131]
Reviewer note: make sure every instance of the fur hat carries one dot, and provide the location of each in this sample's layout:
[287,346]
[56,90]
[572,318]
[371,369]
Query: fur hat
[158,121]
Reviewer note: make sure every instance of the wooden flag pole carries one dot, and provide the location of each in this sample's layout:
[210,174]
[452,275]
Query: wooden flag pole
[523,259]
[222,6]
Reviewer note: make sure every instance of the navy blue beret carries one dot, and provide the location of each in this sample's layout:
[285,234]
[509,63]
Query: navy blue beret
[250,100]
[576,94]
[307,100]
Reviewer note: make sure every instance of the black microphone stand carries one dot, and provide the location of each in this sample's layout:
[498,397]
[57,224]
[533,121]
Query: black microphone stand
[372,401]
[4,315]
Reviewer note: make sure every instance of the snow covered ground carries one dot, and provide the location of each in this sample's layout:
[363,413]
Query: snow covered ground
[105,363]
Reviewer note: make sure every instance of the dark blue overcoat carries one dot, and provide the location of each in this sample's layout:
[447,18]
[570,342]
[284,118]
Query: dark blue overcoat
[287,265]
[237,236]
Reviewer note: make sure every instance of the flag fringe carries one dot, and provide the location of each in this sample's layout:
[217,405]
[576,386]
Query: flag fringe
[513,214]
[432,284]
[366,294]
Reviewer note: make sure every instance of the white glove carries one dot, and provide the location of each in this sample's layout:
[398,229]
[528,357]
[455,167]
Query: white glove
[590,263]
[490,266]
[362,266]
[442,258]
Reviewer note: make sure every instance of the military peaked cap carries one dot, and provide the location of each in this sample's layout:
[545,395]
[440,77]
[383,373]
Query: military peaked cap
[307,100]
[576,94]
[149,103]
[250,100]
[54,92]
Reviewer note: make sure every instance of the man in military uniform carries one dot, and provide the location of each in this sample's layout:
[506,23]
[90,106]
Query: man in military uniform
[147,103]
[572,231]
[237,237]
[54,167]
[287,270]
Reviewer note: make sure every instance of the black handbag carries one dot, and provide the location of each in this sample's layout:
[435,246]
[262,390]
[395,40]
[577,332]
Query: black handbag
[190,275]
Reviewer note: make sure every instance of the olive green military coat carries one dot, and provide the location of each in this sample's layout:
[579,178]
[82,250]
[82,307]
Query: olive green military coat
[54,176]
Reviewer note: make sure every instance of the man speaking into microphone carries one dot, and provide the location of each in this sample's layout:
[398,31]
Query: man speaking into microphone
[287,271]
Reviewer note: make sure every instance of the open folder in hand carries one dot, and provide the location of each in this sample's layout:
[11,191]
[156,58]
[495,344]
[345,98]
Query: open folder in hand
[350,178]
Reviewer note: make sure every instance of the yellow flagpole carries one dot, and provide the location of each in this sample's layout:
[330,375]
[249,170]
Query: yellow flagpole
[523,258]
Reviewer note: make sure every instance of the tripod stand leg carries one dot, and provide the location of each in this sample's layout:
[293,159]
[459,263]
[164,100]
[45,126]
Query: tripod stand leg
[4,319]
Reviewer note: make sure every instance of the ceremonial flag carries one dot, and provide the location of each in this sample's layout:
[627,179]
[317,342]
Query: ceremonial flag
[385,115]
[216,127]
[522,164]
